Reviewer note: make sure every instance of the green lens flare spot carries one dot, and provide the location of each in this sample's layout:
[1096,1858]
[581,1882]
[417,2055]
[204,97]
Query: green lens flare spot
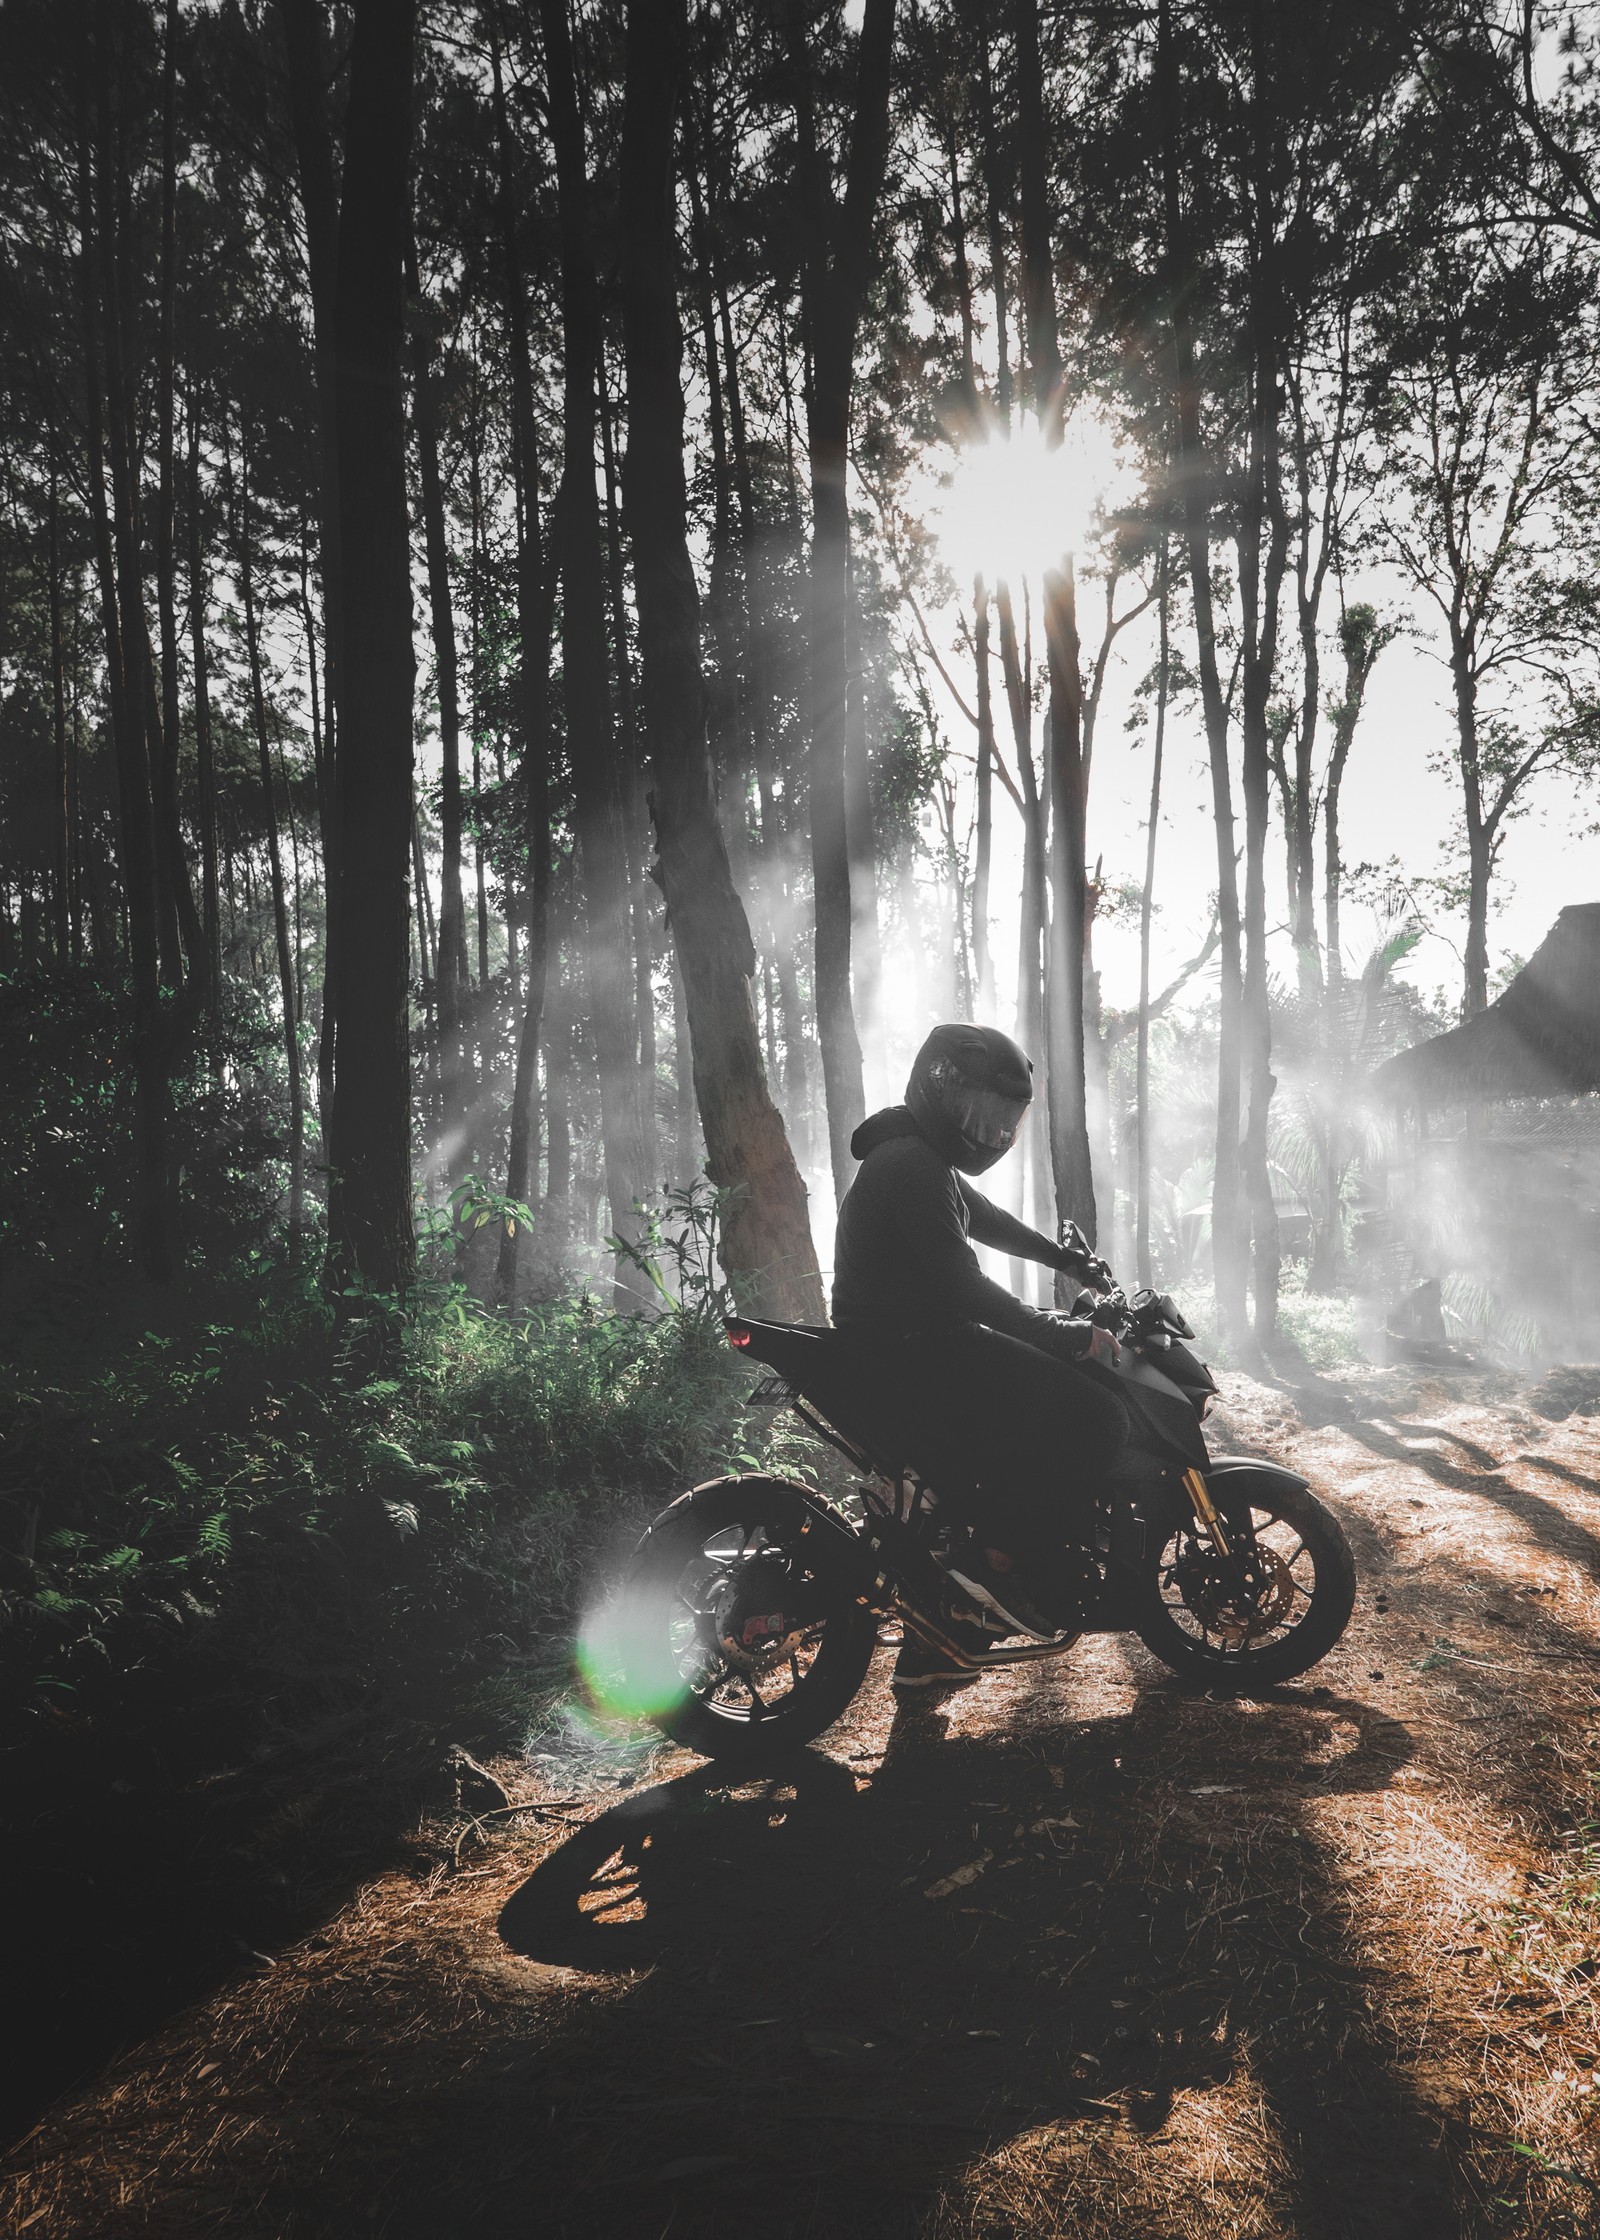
[624,1662]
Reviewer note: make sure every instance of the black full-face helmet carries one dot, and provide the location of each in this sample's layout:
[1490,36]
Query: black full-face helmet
[969,1089]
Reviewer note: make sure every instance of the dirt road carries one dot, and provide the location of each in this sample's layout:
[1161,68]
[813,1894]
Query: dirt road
[1077,1952]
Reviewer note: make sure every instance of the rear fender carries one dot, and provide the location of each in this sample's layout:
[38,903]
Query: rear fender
[798,1508]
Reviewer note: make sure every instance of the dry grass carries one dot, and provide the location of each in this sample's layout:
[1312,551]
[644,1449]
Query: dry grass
[1321,1966]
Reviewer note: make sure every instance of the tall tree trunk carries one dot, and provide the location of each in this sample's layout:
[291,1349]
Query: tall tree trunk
[766,1237]
[1229,1241]
[1065,775]
[1263,547]
[61,801]
[636,813]
[427,974]
[1031,915]
[243,546]
[1300,813]
[556,1207]
[190,923]
[774,896]
[591,746]
[480,884]
[1141,1093]
[866,936]
[535,608]
[150,1206]
[205,757]
[1031,1183]
[370,1231]
[304,49]
[983,833]
[834,284]
[994,201]
[112,193]
[1479,828]
[452,965]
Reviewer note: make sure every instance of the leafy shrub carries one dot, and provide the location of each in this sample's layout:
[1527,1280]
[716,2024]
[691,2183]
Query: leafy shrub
[66,1122]
[1323,1327]
[248,1489]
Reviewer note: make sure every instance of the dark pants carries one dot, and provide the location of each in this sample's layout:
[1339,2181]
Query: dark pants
[1023,1436]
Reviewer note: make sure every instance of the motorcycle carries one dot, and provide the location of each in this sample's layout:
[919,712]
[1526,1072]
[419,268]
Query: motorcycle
[753,1605]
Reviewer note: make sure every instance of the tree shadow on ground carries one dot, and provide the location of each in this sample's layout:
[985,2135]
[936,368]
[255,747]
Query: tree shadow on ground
[1323,1404]
[796,2032]
[1563,1470]
[146,1885]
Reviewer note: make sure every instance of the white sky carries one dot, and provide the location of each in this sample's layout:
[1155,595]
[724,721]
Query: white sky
[1393,804]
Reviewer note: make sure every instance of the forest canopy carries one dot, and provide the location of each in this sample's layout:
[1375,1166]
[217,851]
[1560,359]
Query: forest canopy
[573,575]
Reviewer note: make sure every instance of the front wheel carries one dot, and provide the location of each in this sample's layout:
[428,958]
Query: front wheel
[1269,1611]
[739,1630]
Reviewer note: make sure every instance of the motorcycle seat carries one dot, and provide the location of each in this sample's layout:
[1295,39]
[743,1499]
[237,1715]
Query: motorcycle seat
[825,1367]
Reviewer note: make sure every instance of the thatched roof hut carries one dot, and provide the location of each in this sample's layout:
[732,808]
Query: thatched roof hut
[1540,1038]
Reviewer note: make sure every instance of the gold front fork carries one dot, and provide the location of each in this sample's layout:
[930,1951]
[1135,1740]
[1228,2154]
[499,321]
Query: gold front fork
[1206,1510]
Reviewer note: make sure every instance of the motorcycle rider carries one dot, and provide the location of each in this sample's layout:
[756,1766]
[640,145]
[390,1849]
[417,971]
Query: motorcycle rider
[990,1390]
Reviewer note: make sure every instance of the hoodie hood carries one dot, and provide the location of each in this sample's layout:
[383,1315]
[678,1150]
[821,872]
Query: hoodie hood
[883,1127]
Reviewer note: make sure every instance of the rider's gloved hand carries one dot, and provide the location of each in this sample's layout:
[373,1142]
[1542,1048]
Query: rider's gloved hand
[1074,1339]
[1065,1335]
[1078,1260]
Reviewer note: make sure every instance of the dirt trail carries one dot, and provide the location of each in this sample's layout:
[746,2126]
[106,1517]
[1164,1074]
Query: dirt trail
[1077,1952]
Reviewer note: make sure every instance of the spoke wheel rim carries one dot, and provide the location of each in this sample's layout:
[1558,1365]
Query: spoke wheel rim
[1218,1630]
[747,1690]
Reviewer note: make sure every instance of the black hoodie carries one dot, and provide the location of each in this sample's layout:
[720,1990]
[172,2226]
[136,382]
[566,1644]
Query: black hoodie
[903,1257]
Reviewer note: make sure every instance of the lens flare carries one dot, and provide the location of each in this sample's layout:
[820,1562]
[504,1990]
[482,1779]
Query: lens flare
[623,1659]
[1014,507]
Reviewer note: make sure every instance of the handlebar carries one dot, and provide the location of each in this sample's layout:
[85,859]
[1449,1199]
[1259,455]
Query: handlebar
[1147,1314]
[1081,1261]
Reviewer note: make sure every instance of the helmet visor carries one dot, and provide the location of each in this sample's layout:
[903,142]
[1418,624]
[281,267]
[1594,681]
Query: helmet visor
[988,1117]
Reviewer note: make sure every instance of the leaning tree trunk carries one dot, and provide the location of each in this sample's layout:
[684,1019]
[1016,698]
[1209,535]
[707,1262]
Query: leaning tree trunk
[591,746]
[370,1232]
[766,1240]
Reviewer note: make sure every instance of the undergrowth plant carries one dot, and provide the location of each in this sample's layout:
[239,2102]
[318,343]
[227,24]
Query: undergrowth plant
[256,1492]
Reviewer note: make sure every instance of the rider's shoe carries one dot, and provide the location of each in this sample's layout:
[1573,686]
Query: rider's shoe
[924,1668]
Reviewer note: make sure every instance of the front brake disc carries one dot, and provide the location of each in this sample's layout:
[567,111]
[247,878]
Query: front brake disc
[1214,1600]
[1271,1604]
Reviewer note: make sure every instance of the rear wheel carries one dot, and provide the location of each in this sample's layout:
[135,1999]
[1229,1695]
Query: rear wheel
[1268,1611]
[740,1632]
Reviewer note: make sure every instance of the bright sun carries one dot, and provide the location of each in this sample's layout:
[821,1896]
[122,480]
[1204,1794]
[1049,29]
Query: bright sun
[1012,507]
